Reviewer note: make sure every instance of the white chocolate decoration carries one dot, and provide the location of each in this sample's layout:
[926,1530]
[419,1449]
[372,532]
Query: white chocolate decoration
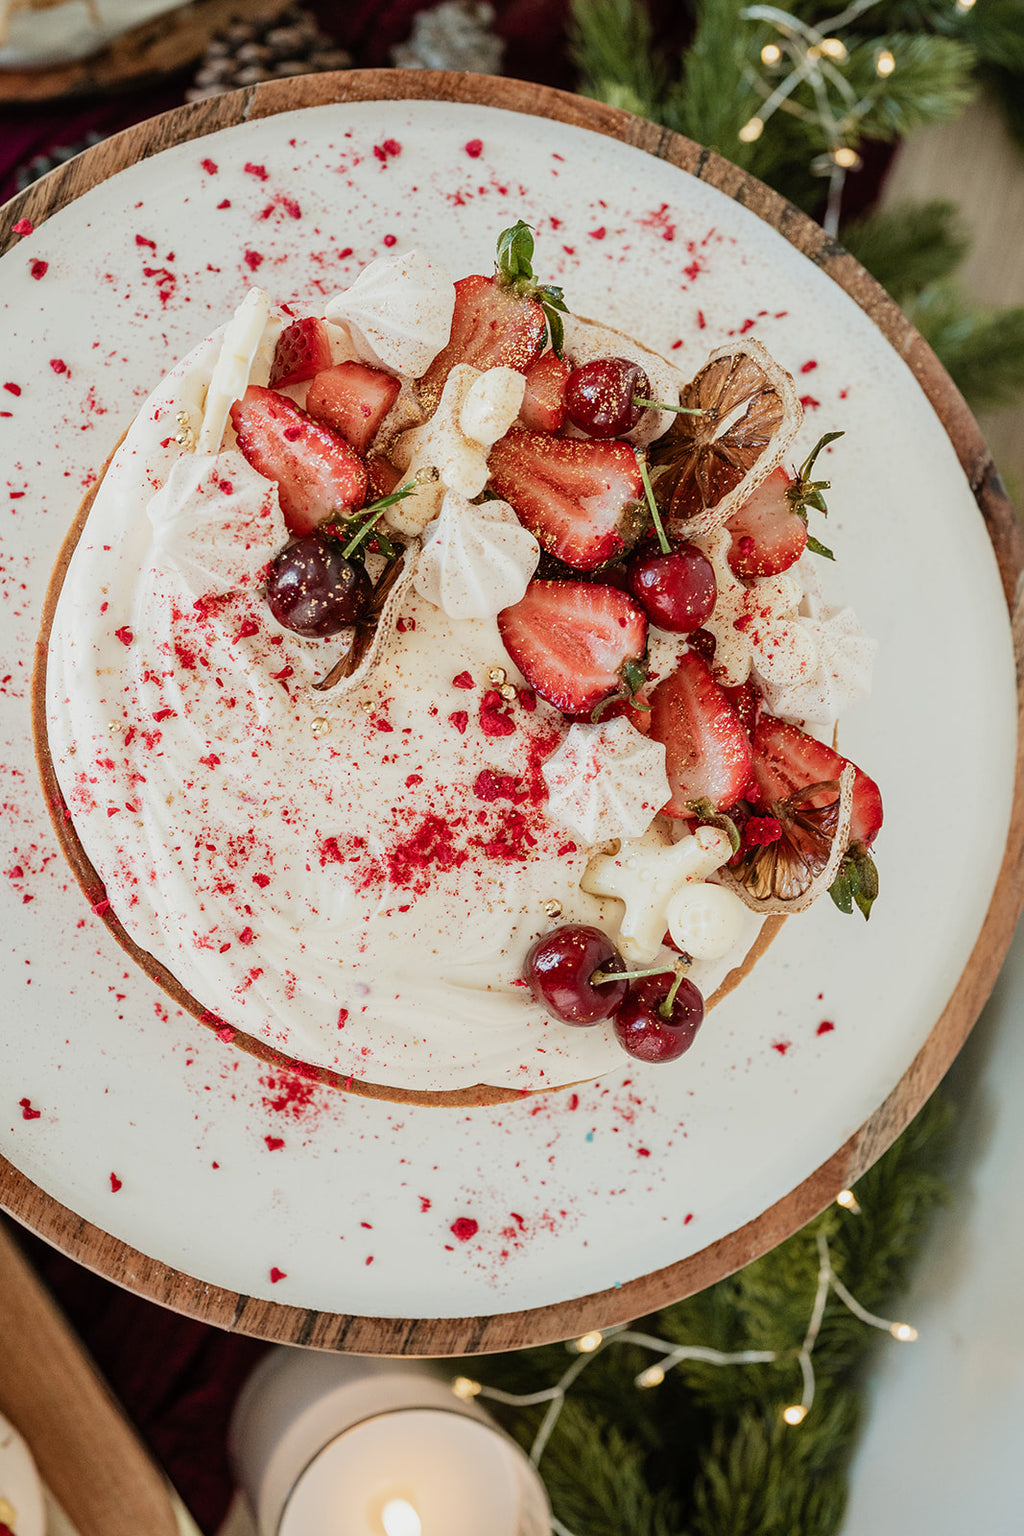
[606,781]
[243,337]
[398,312]
[645,874]
[705,920]
[216,522]
[442,446]
[492,405]
[585,340]
[476,560]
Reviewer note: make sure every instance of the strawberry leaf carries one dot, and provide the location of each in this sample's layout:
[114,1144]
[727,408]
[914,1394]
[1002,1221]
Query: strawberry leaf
[515,254]
[816,547]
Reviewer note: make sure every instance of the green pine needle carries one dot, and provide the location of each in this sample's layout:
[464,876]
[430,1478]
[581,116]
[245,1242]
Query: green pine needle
[907,248]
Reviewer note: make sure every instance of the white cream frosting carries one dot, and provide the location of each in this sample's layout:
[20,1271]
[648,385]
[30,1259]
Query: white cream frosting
[476,558]
[387,871]
[398,312]
[606,780]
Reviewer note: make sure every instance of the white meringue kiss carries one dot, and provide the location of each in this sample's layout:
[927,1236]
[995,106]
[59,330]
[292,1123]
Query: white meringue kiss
[398,312]
[475,560]
[606,780]
[216,521]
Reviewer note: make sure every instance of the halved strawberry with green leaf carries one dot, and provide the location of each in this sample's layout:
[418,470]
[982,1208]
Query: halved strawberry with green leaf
[577,644]
[543,407]
[797,779]
[582,499]
[302,349]
[353,399]
[316,471]
[500,321]
[769,531]
[707,750]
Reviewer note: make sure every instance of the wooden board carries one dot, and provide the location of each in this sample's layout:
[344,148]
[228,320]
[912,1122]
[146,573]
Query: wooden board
[87,1453]
[446,1336]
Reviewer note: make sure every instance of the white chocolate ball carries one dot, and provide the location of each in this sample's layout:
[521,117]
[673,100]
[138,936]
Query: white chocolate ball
[705,920]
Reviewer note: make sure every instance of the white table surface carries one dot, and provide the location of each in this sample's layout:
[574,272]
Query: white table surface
[943,1440]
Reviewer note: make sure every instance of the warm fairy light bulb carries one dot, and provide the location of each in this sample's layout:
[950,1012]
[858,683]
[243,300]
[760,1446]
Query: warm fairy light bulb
[847,158]
[885,63]
[833,48]
[904,1332]
[795,1413]
[848,1200]
[751,130]
[965,5]
[652,1377]
[400,1519]
[771,53]
[589,1342]
[464,1388]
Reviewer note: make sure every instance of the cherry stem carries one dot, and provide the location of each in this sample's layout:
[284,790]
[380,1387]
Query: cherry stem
[665,1008]
[666,547]
[598,977]
[663,405]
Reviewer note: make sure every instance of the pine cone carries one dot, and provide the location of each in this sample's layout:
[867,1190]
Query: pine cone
[454,35]
[247,53]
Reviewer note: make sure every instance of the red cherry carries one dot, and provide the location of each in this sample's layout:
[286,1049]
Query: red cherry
[599,396]
[559,968]
[313,590]
[677,589]
[641,1029]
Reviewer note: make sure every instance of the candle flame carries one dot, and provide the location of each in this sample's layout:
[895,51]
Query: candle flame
[400,1519]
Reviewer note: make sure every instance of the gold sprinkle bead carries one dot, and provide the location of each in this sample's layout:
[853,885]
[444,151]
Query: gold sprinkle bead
[497,675]
[507,691]
[115,726]
[320,726]
[553,907]
[8,1513]
[183,418]
[366,705]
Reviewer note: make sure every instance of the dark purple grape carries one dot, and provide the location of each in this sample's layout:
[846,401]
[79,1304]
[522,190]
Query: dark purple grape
[559,968]
[599,396]
[640,1027]
[313,590]
[677,590]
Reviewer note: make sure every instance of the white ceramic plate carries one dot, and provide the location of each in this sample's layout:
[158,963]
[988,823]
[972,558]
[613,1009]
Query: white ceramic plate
[152,1129]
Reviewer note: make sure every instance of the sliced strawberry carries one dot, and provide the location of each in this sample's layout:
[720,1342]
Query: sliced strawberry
[707,751]
[583,499]
[746,701]
[786,759]
[543,407]
[768,536]
[492,327]
[317,473]
[354,400]
[303,348]
[576,643]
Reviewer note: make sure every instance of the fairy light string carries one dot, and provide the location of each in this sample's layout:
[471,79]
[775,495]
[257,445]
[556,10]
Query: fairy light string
[814,54]
[588,1346]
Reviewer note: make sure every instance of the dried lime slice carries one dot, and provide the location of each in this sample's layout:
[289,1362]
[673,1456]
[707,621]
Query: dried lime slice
[707,464]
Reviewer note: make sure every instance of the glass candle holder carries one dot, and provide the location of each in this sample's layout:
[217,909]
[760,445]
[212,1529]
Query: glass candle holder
[344,1445]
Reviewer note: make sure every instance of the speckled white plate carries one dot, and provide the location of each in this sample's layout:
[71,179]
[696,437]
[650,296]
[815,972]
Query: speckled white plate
[120,1109]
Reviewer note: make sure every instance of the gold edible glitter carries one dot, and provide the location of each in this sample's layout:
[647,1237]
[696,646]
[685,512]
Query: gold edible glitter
[320,726]
[8,1513]
[553,907]
[497,675]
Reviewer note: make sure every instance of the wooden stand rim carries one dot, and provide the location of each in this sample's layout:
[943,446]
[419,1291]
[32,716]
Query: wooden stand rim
[510,1330]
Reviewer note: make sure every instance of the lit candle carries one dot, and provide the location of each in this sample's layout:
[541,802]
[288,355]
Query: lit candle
[336,1445]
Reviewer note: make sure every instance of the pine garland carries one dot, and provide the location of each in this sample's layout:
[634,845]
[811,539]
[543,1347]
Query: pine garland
[707,1452]
[717,87]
